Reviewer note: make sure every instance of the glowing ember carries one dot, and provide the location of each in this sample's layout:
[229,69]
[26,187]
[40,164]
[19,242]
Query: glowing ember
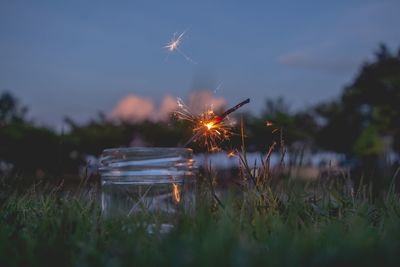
[174,44]
[209,125]
[272,125]
[231,154]
[208,129]
[176,192]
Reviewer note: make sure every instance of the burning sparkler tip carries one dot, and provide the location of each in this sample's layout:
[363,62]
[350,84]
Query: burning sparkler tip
[208,129]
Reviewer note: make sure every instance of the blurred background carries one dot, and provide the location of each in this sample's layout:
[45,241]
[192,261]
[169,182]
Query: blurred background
[77,77]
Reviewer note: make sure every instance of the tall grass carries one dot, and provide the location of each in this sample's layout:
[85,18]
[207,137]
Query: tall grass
[290,227]
[266,219]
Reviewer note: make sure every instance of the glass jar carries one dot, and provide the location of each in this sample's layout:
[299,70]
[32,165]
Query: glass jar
[151,182]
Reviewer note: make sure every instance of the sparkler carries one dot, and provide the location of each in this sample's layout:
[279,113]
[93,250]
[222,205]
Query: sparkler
[174,44]
[209,129]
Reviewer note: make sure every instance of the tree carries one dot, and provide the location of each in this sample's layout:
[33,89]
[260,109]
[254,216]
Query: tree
[366,114]
[368,109]
[10,109]
[29,148]
[375,95]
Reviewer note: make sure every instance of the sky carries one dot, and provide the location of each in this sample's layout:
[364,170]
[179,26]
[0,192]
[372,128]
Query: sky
[77,58]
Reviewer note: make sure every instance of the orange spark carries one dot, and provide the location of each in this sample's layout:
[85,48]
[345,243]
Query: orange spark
[176,192]
[271,124]
[231,154]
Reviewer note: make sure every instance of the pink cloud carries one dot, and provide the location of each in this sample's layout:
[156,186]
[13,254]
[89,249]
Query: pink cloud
[134,108]
[168,105]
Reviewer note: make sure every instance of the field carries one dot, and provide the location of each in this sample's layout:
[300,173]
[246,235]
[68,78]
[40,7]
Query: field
[260,223]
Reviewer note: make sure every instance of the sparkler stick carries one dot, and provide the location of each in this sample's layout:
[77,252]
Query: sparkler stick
[229,111]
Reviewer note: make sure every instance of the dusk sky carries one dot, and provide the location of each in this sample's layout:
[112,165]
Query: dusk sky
[75,58]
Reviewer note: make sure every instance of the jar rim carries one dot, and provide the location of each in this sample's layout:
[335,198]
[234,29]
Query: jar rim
[145,162]
[146,149]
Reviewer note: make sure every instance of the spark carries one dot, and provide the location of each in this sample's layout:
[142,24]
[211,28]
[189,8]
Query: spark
[175,43]
[272,125]
[208,129]
[209,125]
[176,192]
[231,154]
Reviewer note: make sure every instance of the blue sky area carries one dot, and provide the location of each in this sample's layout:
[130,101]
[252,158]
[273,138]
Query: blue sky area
[76,58]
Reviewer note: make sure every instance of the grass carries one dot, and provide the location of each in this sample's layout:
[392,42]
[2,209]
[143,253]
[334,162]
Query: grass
[264,224]
[266,219]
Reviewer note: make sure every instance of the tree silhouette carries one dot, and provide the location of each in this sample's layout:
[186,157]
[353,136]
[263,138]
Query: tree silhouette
[369,108]
[10,109]
[366,118]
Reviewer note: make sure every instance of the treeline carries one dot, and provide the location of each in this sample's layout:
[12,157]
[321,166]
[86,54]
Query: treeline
[363,123]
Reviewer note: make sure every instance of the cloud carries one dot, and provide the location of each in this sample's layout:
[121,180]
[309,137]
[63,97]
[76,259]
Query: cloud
[134,108]
[168,105]
[343,45]
[318,60]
